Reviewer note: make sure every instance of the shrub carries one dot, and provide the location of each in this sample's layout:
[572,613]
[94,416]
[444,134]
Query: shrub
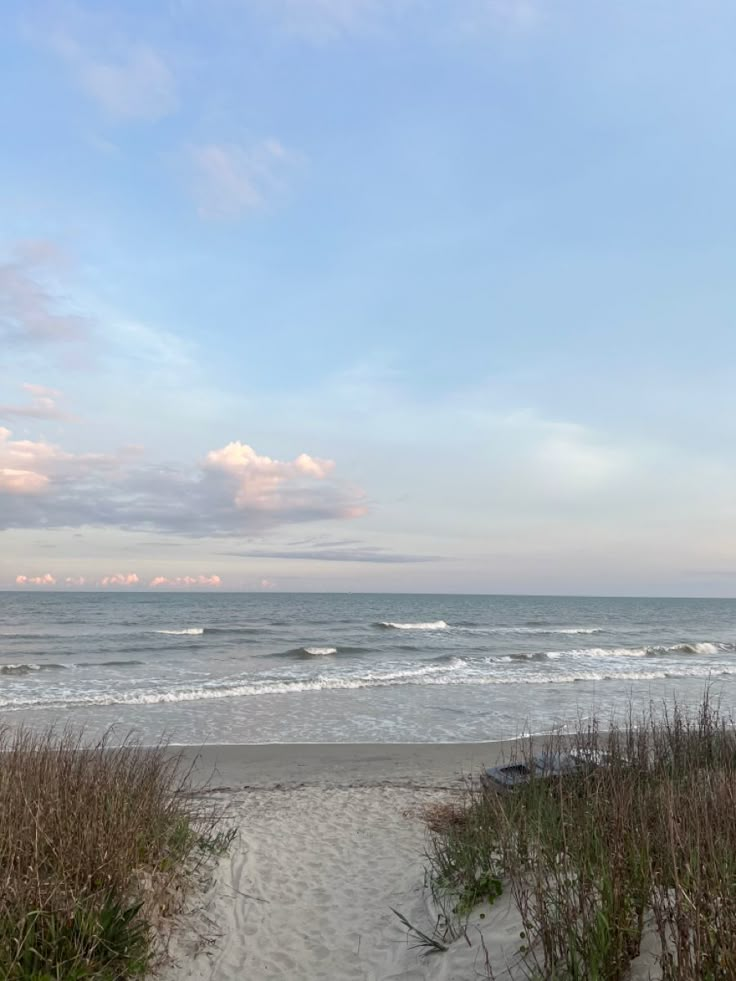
[647,836]
[95,843]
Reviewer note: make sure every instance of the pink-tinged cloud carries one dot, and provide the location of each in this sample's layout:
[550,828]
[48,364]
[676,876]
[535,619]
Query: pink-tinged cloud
[31,467]
[42,405]
[233,490]
[45,580]
[229,181]
[120,579]
[75,581]
[23,464]
[21,481]
[29,306]
[186,581]
[258,479]
[41,391]
[267,584]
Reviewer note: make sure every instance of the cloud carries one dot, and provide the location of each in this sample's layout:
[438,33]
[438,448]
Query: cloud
[323,21]
[230,181]
[573,462]
[120,579]
[41,406]
[258,479]
[515,15]
[30,468]
[350,553]
[30,309]
[185,581]
[326,20]
[41,391]
[45,580]
[129,81]
[267,584]
[74,581]
[234,490]
[24,464]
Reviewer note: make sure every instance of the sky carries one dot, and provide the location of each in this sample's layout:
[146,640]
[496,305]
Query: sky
[382,295]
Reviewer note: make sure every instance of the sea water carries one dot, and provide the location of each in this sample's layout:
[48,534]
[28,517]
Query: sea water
[232,668]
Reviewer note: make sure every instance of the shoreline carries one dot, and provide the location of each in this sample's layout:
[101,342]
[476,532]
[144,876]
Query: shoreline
[234,767]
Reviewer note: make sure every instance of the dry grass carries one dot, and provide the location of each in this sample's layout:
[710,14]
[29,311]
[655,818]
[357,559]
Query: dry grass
[94,842]
[648,837]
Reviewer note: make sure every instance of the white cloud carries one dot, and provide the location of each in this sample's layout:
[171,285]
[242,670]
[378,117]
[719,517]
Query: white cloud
[42,405]
[30,308]
[324,20]
[131,81]
[230,181]
[514,14]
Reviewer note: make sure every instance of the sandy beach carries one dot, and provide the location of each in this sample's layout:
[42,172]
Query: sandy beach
[330,839]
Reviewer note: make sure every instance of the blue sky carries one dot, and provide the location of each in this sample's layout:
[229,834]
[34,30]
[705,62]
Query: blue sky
[368,294]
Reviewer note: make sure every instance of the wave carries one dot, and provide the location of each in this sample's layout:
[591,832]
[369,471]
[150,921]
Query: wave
[429,625]
[704,647]
[551,630]
[247,631]
[318,650]
[189,631]
[588,652]
[527,631]
[198,631]
[21,669]
[451,674]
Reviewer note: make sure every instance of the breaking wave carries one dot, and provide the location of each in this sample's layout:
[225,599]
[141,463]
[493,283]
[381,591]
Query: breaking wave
[429,625]
[189,631]
[454,673]
[21,669]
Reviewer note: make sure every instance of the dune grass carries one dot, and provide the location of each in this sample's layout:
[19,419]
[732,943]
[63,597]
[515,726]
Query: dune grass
[97,843]
[643,840]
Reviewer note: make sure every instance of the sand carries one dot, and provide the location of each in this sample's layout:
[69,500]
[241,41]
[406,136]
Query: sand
[330,839]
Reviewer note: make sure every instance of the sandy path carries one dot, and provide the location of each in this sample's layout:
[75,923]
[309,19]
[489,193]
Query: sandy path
[306,890]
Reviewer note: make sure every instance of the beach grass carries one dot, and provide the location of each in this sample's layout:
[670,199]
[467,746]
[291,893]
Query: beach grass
[98,844]
[638,844]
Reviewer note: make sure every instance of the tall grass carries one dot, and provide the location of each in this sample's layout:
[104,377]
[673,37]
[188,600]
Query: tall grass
[642,839]
[95,844]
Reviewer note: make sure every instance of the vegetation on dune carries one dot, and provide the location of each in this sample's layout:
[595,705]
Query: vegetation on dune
[641,842]
[97,844]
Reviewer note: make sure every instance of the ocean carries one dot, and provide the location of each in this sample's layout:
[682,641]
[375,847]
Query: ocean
[274,667]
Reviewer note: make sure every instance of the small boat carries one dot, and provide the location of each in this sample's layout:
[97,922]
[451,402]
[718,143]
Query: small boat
[545,766]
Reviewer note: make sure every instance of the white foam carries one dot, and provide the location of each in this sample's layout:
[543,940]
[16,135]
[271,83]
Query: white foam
[585,652]
[430,625]
[320,651]
[225,690]
[425,676]
[702,648]
[192,631]
[548,630]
